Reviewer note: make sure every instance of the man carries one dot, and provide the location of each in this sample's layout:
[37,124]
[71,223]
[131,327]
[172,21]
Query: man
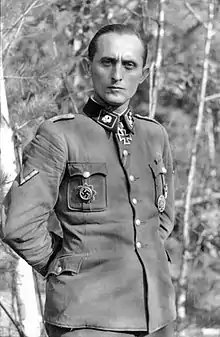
[107,174]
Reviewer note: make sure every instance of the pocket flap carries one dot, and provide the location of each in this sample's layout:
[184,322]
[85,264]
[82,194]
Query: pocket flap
[157,166]
[86,169]
[70,263]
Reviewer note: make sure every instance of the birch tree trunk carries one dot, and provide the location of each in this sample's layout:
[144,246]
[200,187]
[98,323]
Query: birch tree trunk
[187,253]
[31,320]
[211,138]
[155,67]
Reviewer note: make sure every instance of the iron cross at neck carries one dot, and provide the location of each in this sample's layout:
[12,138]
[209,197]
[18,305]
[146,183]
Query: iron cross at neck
[107,118]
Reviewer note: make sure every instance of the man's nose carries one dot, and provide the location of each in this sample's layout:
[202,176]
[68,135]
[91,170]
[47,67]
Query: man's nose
[117,73]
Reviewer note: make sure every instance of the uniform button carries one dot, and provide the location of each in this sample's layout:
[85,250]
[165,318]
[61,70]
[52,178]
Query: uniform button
[86,174]
[138,245]
[134,200]
[59,269]
[131,178]
[137,222]
[125,153]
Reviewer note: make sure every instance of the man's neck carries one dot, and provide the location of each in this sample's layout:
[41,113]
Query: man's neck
[119,110]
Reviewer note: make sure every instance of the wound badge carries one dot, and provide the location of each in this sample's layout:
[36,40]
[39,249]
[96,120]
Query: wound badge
[86,192]
[161,203]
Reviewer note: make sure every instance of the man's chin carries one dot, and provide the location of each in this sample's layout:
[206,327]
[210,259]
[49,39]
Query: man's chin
[114,100]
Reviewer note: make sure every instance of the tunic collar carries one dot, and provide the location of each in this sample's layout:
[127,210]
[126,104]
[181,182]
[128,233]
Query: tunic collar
[107,118]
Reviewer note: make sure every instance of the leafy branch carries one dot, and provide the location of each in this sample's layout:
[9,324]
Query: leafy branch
[21,17]
[19,21]
[195,14]
[212,97]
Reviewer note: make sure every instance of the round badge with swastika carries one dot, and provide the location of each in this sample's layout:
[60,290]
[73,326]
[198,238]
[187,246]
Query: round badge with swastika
[86,192]
[161,203]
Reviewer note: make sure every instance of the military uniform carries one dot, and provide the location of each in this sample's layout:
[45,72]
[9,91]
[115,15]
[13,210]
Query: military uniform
[113,195]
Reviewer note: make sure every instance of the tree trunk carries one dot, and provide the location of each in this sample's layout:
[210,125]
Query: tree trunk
[187,251]
[30,316]
[155,67]
[24,277]
[211,137]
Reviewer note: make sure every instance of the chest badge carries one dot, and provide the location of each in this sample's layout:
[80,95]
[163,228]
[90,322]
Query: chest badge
[86,193]
[161,203]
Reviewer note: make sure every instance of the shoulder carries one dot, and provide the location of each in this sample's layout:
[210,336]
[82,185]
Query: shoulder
[64,126]
[62,117]
[50,132]
[147,119]
[150,125]
[153,128]
[53,129]
[55,124]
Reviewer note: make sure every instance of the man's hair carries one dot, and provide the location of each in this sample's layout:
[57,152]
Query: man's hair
[119,29]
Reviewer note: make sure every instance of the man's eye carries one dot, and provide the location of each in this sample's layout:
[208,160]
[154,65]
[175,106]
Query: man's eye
[129,65]
[106,62]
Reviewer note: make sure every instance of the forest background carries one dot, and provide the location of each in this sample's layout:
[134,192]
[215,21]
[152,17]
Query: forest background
[43,43]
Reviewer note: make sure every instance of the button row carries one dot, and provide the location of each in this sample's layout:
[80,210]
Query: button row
[125,154]
[134,200]
[137,222]
[138,244]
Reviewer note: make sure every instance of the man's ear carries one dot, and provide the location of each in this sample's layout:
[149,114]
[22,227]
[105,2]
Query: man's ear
[86,65]
[145,74]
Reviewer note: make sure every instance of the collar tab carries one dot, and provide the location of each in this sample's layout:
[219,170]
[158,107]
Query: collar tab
[107,118]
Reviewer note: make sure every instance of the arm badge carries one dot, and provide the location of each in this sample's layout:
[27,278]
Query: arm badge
[161,203]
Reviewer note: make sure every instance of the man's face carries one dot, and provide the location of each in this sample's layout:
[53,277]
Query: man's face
[117,68]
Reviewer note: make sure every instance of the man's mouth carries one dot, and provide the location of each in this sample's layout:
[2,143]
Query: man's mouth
[112,87]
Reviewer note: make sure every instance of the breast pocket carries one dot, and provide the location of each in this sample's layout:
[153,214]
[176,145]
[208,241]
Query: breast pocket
[87,187]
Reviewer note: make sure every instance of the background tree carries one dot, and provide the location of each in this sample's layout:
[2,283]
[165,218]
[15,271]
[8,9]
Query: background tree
[188,254]
[25,306]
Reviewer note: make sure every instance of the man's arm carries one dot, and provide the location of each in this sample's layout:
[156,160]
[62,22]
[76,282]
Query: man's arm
[33,196]
[167,216]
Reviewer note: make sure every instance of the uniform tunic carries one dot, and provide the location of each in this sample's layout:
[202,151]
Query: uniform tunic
[110,269]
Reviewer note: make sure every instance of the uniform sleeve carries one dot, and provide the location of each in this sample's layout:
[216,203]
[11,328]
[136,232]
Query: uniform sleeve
[33,196]
[167,216]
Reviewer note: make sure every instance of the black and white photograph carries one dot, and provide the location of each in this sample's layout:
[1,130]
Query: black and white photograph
[110,168]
